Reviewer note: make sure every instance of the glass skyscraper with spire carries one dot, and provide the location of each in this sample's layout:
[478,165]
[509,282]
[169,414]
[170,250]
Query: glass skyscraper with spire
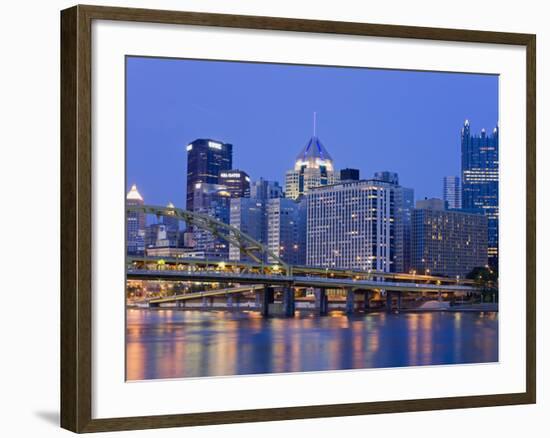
[480,181]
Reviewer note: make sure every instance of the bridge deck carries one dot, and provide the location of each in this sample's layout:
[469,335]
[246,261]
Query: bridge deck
[209,293]
[294,281]
[304,270]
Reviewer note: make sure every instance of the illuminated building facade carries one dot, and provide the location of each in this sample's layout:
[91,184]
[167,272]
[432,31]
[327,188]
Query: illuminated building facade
[313,168]
[447,242]
[250,214]
[286,229]
[236,181]
[206,159]
[354,225]
[135,224]
[405,206]
[212,200]
[480,181]
[264,189]
[452,193]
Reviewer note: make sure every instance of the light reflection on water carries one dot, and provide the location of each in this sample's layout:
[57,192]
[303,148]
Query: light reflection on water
[173,343]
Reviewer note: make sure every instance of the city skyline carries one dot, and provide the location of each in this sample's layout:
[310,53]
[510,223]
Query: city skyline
[146,120]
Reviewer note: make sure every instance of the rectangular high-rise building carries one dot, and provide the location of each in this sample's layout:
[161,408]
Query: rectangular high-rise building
[354,225]
[405,207]
[212,200]
[263,189]
[452,193]
[480,181]
[249,215]
[236,181]
[447,242]
[206,158]
[389,177]
[135,224]
[286,229]
[348,174]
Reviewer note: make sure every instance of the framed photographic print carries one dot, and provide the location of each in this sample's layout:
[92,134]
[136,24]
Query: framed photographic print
[304,218]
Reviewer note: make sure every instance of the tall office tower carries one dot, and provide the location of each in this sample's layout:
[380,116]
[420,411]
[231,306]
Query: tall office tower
[205,160]
[236,181]
[452,194]
[480,181]
[353,225]
[212,200]
[405,205]
[404,202]
[348,174]
[389,177]
[447,242]
[250,214]
[135,224]
[286,229]
[313,167]
[264,189]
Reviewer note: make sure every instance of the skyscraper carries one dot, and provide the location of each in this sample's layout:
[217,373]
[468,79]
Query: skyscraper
[263,189]
[135,224]
[354,225]
[348,174]
[206,158]
[447,242]
[250,214]
[480,181]
[452,194]
[389,177]
[236,181]
[405,207]
[212,200]
[313,167]
[286,229]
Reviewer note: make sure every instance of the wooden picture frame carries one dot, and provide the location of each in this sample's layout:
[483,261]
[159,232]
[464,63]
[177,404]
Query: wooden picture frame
[76,218]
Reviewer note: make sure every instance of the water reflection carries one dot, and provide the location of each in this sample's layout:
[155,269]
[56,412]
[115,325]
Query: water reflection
[172,343]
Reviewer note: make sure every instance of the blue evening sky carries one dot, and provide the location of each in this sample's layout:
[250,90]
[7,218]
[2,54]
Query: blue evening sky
[407,122]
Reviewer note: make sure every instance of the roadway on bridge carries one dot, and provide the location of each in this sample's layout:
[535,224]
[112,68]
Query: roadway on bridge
[292,281]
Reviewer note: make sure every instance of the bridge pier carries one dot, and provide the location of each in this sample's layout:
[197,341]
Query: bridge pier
[366,302]
[350,301]
[229,301]
[399,300]
[389,299]
[288,301]
[180,304]
[267,299]
[321,301]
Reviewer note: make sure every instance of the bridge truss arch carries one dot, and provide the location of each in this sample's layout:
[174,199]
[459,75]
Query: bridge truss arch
[257,251]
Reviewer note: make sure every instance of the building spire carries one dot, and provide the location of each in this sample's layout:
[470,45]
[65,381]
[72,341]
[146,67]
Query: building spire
[315,123]
[134,194]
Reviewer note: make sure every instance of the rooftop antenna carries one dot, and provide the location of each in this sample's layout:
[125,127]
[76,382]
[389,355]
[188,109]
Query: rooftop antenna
[315,123]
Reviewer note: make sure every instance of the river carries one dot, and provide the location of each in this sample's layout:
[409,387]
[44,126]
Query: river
[168,343]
